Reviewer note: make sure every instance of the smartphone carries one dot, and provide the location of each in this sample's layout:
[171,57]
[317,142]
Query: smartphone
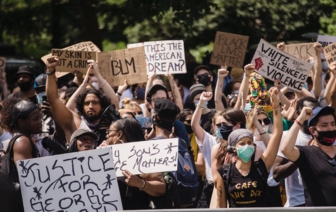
[44,98]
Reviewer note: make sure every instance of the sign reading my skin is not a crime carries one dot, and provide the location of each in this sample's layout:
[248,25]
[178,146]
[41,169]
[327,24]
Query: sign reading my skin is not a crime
[273,64]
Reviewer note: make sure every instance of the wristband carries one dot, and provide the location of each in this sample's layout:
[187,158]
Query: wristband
[102,85]
[144,185]
[51,72]
[119,93]
[262,133]
[298,123]
[198,105]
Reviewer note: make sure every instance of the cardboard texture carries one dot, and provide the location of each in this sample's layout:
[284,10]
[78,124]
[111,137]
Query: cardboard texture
[120,65]
[83,46]
[301,50]
[229,49]
[73,60]
[2,64]
[330,53]
[273,63]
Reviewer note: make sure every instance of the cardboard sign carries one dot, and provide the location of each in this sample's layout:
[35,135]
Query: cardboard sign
[2,65]
[163,56]
[273,63]
[330,53]
[229,49]
[301,50]
[73,60]
[81,181]
[325,40]
[120,65]
[83,46]
[146,156]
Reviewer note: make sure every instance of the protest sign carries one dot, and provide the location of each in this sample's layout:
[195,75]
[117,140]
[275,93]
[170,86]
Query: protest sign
[83,46]
[163,56]
[229,49]
[301,50]
[146,157]
[325,40]
[81,181]
[273,64]
[2,65]
[330,53]
[73,60]
[125,64]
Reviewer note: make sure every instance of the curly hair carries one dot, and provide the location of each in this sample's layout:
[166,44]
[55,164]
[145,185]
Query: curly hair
[131,105]
[183,114]
[104,100]
[6,114]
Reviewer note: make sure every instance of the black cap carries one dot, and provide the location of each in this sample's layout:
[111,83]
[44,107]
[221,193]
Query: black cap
[196,89]
[318,110]
[166,109]
[40,81]
[154,89]
[26,70]
[21,110]
[80,132]
[201,67]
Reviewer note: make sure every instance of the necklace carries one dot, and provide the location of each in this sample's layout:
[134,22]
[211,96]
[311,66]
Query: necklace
[243,172]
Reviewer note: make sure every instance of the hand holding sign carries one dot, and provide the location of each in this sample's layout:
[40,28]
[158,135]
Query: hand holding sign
[133,180]
[318,47]
[281,46]
[223,72]
[277,83]
[249,69]
[52,62]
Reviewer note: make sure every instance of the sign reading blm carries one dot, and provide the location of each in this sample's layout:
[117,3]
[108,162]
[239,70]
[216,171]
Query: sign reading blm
[126,64]
[73,60]
[229,49]
[273,64]
[77,182]
[163,56]
[146,157]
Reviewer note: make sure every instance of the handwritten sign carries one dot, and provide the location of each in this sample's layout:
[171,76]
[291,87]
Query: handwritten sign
[229,49]
[162,56]
[73,60]
[81,181]
[301,50]
[83,46]
[146,156]
[325,40]
[2,64]
[330,53]
[120,65]
[274,64]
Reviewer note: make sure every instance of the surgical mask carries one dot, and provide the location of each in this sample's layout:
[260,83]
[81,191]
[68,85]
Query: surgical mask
[40,97]
[225,131]
[325,66]
[266,128]
[95,85]
[218,134]
[25,86]
[204,79]
[245,152]
[197,101]
[326,138]
[188,128]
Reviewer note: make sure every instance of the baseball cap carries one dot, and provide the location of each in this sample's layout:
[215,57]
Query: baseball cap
[80,132]
[166,109]
[26,70]
[196,89]
[319,110]
[40,81]
[154,89]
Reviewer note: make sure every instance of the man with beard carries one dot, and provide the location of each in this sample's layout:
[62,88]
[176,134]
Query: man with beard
[90,105]
[25,80]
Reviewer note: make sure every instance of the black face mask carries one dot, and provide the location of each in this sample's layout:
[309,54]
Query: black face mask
[25,86]
[326,138]
[189,129]
[225,131]
[204,79]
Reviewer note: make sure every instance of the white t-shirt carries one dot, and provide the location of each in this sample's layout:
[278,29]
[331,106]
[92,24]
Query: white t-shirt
[208,142]
[293,183]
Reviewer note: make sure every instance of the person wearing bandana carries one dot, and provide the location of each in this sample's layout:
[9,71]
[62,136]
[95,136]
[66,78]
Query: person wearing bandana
[317,162]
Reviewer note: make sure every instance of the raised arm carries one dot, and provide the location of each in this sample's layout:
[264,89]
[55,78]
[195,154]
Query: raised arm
[273,146]
[195,120]
[221,193]
[244,88]
[175,91]
[288,146]
[148,86]
[222,73]
[264,136]
[317,80]
[331,83]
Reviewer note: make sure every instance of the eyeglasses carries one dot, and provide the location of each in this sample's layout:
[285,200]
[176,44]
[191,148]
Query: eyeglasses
[109,130]
[333,163]
[266,121]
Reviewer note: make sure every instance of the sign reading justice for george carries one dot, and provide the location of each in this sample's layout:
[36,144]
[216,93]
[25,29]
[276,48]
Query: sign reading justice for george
[273,64]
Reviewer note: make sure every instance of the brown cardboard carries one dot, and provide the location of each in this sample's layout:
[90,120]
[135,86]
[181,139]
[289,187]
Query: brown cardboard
[229,49]
[73,60]
[301,50]
[126,64]
[2,65]
[83,46]
[330,53]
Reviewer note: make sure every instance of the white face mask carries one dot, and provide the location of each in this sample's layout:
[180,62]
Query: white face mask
[266,128]
[95,85]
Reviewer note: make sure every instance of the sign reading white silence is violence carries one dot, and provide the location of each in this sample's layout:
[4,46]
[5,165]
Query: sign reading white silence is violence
[76,182]
[273,64]
[163,56]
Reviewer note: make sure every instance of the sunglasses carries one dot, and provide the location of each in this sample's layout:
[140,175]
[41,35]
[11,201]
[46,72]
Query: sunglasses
[266,121]
[220,124]
[333,163]
[188,121]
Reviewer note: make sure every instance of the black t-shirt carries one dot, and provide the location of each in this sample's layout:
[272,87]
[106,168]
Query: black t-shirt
[206,120]
[318,176]
[132,198]
[19,95]
[250,190]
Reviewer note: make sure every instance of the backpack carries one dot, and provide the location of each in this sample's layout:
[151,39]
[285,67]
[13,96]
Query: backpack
[182,185]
